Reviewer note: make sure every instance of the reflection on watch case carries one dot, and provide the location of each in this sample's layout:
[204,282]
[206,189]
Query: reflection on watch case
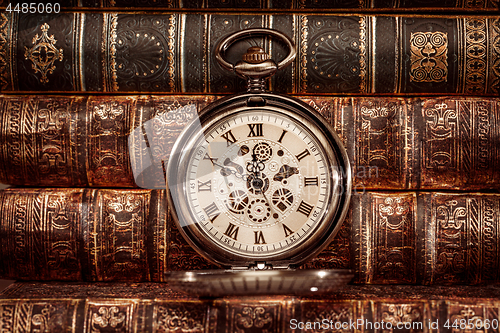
[263,282]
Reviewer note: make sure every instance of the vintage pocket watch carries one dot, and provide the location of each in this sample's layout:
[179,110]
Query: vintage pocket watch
[258,184]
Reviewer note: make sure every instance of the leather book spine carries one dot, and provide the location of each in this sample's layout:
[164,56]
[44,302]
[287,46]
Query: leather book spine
[425,238]
[171,52]
[153,307]
[125,141]
[420,238]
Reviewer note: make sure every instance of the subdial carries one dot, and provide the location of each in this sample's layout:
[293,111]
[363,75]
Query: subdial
[282,199]
[237,201]
[258,211]
[263,152]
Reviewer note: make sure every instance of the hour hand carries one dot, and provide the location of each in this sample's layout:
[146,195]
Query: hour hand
[230,163]
[226,171]
[284,172]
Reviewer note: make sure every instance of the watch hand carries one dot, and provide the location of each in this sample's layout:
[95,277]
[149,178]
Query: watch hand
[227,171]
[238,167]
[255,166]
[284,172]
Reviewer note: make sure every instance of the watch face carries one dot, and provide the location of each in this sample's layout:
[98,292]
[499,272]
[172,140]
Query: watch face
[257,184]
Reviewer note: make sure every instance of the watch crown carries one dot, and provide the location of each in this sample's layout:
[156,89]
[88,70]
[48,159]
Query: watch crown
[255,55]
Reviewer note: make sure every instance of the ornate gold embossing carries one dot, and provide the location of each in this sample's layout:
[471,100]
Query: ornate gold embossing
[467,314]
[40,321]
[333,313]
[43,54]
[401,313]
[378,154]
[253,317]
[127,203]
[304,32]
[334,55]
[395,245]
[14,151]
[173,317]
[475,4]
[429,57]
[61,220]
[43,238]
[169,119]
[465,229]
[109,52]
[20,223]
[54,142]
[440,130]
[108,158]
[171,51]
[110,316]
[107,317]
[124,216]
[4,52]
[475,55]
[494,55]
[37,316]
[457,151]
[7,317]
[451,256]
[363,88]
[490,235]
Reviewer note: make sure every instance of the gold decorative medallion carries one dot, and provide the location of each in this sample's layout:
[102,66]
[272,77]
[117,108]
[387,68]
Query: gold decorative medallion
[43,54]
[429,58]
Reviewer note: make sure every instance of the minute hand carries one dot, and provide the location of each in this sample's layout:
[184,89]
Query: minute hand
[225,171]
[284,172]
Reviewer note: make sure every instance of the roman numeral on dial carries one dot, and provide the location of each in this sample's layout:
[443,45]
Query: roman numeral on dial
[282,136]
[305,208]
[230,139]
[205,186]
[310,181]
[287,230]
[206,157]
[232,231]
[259,237]
[212,211]
[255,130]
[303,154]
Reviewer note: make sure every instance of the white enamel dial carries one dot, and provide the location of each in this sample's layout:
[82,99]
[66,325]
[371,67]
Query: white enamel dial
[258,183]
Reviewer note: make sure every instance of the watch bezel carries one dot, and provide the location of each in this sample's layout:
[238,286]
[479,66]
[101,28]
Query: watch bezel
[299,111]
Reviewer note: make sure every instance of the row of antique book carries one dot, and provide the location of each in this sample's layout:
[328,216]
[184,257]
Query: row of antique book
[172,52]
[90,234]
[85,221]
[151,307]
[439,143]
